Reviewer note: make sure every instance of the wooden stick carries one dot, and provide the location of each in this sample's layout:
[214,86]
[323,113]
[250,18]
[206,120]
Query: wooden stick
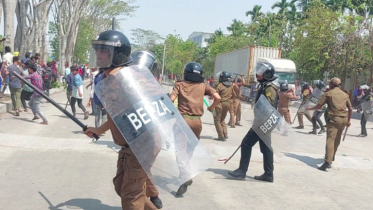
[232,154]
[344,136]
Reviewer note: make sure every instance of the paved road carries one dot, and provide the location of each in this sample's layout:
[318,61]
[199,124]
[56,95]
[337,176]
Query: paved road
[57,167]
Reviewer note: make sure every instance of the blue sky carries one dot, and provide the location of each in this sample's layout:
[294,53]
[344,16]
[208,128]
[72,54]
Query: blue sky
[165,16]
[186,16]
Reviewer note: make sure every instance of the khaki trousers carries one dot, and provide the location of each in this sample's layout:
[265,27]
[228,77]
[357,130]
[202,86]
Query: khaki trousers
[130,182]
[235,111]
[334,131]
[284,111]
[300,118]
[219,120]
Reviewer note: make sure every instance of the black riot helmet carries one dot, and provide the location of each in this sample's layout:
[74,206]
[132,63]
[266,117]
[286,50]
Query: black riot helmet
[144,58]
[267,70]
[319,84]
[112,49]
[225,78]
[193,72]
[284,86]
[304,85]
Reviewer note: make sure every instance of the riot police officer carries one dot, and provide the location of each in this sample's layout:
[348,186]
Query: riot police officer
[190,95]
[113,51]
[363,121]
[148,59]
[306,94]
[265,74]
[318,113]
[144,58]
[284,98]
[225,90]
[338,102]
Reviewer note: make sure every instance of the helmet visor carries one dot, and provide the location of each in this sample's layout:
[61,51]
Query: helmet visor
[260,69]
[144,59]
[104,52]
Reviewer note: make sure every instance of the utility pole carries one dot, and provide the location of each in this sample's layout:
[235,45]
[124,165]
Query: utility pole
[164,54]
[269,34]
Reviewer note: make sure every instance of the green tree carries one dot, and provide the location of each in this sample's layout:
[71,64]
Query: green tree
[315,40]
[283,6]
[237,28]
[255,13]
[53,42]
[145,39]
[83,41]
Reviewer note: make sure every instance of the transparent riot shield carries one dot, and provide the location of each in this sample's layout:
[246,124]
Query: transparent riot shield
[367,107]
[311,102]
[147,118]
[266,119]
[272,129]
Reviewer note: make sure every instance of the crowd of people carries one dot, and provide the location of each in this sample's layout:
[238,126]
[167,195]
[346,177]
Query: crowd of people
[132,183]
[33,69]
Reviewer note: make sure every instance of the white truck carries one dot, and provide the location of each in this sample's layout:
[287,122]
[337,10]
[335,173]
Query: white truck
[242,61]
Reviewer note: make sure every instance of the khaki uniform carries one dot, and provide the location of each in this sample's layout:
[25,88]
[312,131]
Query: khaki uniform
[190,105]
[131,182]
[306,95]
[235,107]
[190,102]
[283,105]
[222,109]
[337,102]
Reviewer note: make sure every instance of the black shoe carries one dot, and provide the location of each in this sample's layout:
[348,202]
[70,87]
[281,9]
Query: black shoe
[157,202]
[324,166]
[317,127]
[265,178]
[220,138]
[322,131]
[313,132]
[238,173]
[184,187]
[299,127]
[92,114]
[362,135]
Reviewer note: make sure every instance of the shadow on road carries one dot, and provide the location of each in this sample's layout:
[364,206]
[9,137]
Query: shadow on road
[307,160]
[109,144]
[80,203]
[224,172]
[206,137]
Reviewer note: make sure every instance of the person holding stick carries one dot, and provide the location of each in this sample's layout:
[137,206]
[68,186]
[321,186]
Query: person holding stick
[338,102]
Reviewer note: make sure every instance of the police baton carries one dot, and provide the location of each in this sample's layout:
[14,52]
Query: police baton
[233,154]
[84,127]
[295,117]
[344,136]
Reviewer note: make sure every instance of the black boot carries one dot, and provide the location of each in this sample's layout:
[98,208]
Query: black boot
[362,135]
[313,132]
[238,173]
[184,187]
[324,166]
[322,130]
[299,127]
[265,178]
[157,202]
